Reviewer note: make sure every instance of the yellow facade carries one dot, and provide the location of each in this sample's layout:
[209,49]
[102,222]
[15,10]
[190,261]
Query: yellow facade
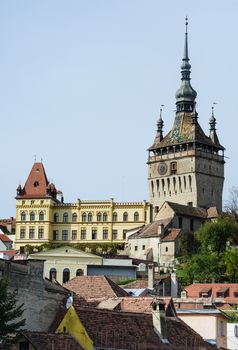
[44,220]
[71,324]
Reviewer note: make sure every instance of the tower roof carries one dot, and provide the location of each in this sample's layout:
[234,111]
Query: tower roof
[185,93]
[37,184]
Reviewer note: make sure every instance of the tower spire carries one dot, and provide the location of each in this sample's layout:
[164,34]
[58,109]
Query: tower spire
[185,95]
[212,121]
[160,125]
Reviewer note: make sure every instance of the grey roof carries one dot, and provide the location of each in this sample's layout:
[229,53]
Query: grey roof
[187,210]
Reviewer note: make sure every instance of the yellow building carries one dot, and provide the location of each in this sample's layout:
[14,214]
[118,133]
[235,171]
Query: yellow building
[43,217]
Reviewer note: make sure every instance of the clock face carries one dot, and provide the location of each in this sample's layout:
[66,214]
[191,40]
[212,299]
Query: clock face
[162,168]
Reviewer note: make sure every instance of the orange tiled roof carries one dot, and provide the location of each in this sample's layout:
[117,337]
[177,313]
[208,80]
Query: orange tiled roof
[95,287]
[194,290]
[172,235]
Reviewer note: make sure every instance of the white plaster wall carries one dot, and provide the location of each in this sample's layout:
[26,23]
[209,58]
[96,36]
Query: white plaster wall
[232,340]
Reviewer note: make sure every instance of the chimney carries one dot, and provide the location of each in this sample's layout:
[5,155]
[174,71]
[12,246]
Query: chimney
[174,285]
[151,276]
[159,320]
[161,230]
[184,294]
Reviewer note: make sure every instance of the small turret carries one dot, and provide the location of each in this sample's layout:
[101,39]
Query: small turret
[213,134]
[160,125]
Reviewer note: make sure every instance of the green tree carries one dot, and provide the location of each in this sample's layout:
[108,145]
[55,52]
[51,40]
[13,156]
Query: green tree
[201,267]
[231,263]
[188,243]
[10,316]
[214,236]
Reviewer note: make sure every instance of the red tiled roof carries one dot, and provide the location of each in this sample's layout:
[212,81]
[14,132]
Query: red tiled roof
[194,290]
[49,341]
[172,235]
[95,287]
[4,238]
[9,253]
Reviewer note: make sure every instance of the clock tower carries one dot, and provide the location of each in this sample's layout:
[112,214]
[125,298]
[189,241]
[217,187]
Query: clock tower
[186,166]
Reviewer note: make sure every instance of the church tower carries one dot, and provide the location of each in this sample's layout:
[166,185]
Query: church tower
[186,166]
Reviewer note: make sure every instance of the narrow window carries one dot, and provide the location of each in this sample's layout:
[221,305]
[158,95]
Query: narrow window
[66,275]
[136,216]
[23,216]
[105,217]
[32,233]
[90,217]
[40,232]
[74,217]
[173,168]
[125,216]
[53,274]
[56,217]
[166,249]
[143,247]
[65,217]
[105,233]
[32,216]
[84,217]
[157,185]
[180,222]
[41,216]
[55,235]
[136,248]
[83,233]
[114,217]
[22,232]
[191,225]
[190,182]
[114,234]
[124,234]
[74,235]
[99,216]
[94,233]
[64,235]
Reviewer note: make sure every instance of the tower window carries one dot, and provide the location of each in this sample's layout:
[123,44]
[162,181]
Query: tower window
[173,167]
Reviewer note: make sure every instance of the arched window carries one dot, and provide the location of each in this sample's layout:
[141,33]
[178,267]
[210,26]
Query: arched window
[23,216]
[105,216]
[99,216]
[125,216]
[90,217]
[56,217]
[65,217]
[79,272]
[84,217]
[136,216]
[114,216]
[41,216]
[74,217]
[66,275]
[53,274]
[32,216]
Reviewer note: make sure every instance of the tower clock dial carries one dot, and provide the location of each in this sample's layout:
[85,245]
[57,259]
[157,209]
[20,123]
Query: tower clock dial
[162,168]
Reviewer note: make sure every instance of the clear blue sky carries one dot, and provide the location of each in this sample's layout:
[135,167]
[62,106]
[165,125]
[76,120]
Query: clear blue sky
[81,84]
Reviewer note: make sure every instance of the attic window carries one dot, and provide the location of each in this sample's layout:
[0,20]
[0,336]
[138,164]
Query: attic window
[37,170]
[36,183]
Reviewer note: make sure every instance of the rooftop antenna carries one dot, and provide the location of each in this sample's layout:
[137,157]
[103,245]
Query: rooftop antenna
[34,158]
